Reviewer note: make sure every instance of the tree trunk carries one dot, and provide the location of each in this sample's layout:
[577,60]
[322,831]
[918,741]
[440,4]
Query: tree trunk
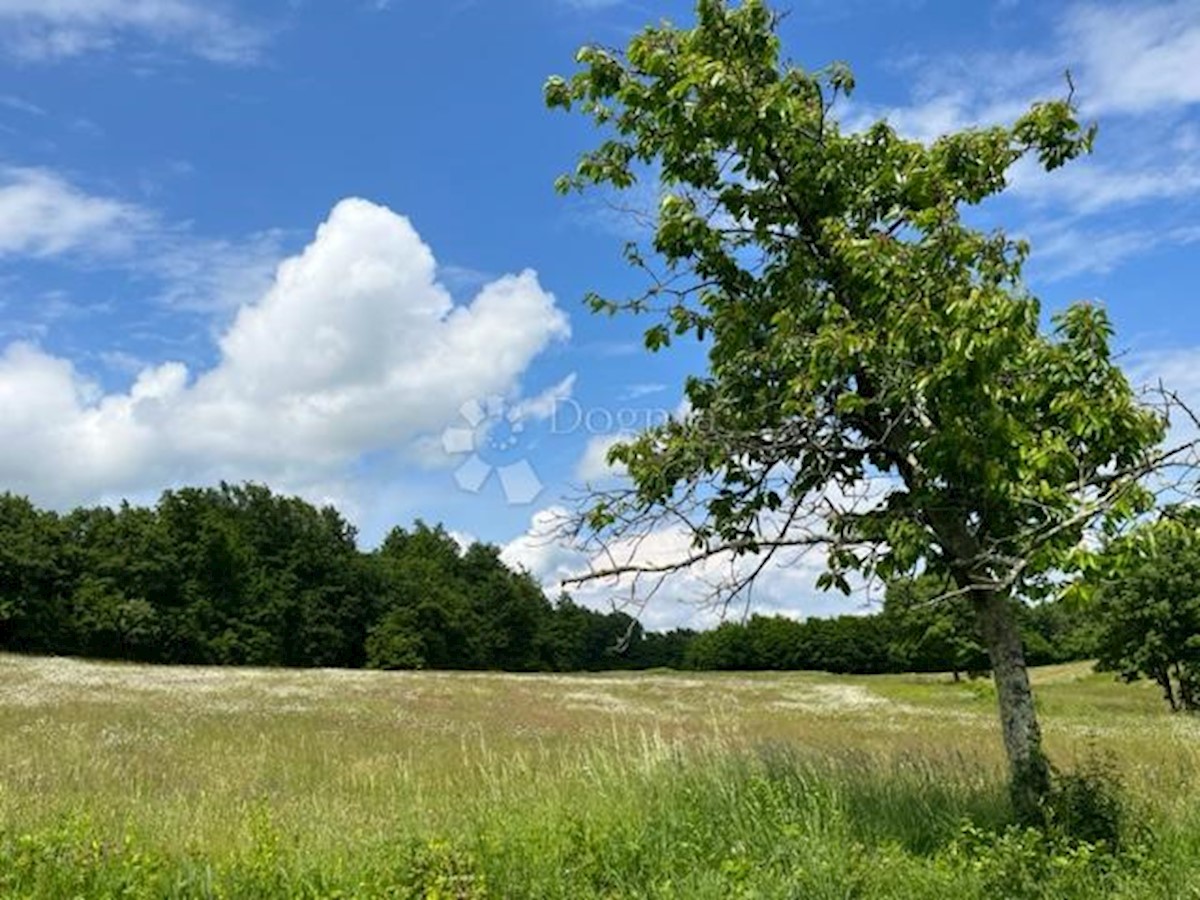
[1164,681]
[1028,768]
[1187,697]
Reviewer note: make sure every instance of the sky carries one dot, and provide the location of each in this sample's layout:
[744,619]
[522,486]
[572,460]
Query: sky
[315,243]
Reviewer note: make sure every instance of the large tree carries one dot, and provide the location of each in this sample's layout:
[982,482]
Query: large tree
[878,379]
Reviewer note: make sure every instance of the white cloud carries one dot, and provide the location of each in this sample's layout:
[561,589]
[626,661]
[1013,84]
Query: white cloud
[786,586]
[1135,72]
[1135,57]
[594,466]
[41,214]
[638,391]
[354,348]
[21,105]
[542,552]
[590,5]
[1177,370]
[543,406]
[1127,59]
[47,30]
[1064,249]
[206,275]
[45,215]
[1090,186]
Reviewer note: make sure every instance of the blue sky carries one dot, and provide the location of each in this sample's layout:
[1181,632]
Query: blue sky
[315,242]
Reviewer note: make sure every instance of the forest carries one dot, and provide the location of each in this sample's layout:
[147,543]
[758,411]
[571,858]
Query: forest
[240,575]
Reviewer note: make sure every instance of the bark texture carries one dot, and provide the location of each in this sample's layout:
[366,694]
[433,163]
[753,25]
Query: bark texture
[1029,770]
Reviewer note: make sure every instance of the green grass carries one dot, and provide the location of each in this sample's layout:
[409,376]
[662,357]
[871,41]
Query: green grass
[132,781]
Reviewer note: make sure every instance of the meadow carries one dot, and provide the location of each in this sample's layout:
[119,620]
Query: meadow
[121,780]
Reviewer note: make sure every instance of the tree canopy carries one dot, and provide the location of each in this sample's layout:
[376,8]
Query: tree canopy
[1144,591]
[879,383]
[237,575]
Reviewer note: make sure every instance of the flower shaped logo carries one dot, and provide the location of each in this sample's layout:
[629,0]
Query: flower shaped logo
[492,427]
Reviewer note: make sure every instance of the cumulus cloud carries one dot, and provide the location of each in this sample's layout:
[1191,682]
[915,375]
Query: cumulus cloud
[49,30]
[354,348]
[786,586]
[541,550]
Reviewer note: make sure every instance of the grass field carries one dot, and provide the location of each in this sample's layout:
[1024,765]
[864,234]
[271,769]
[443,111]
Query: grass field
[134,781]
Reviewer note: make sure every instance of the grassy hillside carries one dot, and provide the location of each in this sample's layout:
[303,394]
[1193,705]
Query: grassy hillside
[122,780]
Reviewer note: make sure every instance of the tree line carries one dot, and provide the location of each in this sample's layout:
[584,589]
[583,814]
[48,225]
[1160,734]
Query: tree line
[239,575]
[918,629]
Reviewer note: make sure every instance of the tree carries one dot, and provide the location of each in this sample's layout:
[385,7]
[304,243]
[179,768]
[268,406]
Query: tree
[928,633]
[878,382]
[33,577]
[255,578]
[396,642]
[423,572]
[1059,630]
[512,610]
[726,647]
[1145,591]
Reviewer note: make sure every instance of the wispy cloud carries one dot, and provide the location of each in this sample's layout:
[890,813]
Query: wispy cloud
[21,105]
[50,30]
[594,466]
[1064,249]
[1135,58]
[46,215]
[1095,185]
[637,391]
[42,214]
[1134,67]
[591,4]
[1127,59]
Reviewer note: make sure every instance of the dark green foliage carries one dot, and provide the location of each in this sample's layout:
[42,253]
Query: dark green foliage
[34,584]
[1144,592]
[1060,631]
[237,575]
[1088,804]
[929,631]
[844,644]
[906,636]
[396,642]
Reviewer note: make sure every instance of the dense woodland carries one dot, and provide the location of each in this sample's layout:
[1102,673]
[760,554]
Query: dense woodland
[238,575]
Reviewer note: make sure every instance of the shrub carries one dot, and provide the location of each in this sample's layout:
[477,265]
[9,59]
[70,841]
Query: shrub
[1088,805]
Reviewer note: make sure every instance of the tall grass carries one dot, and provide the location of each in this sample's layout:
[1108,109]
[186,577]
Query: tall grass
[134,782]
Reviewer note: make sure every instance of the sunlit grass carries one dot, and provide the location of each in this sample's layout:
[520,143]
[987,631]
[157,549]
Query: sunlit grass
[264,782]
